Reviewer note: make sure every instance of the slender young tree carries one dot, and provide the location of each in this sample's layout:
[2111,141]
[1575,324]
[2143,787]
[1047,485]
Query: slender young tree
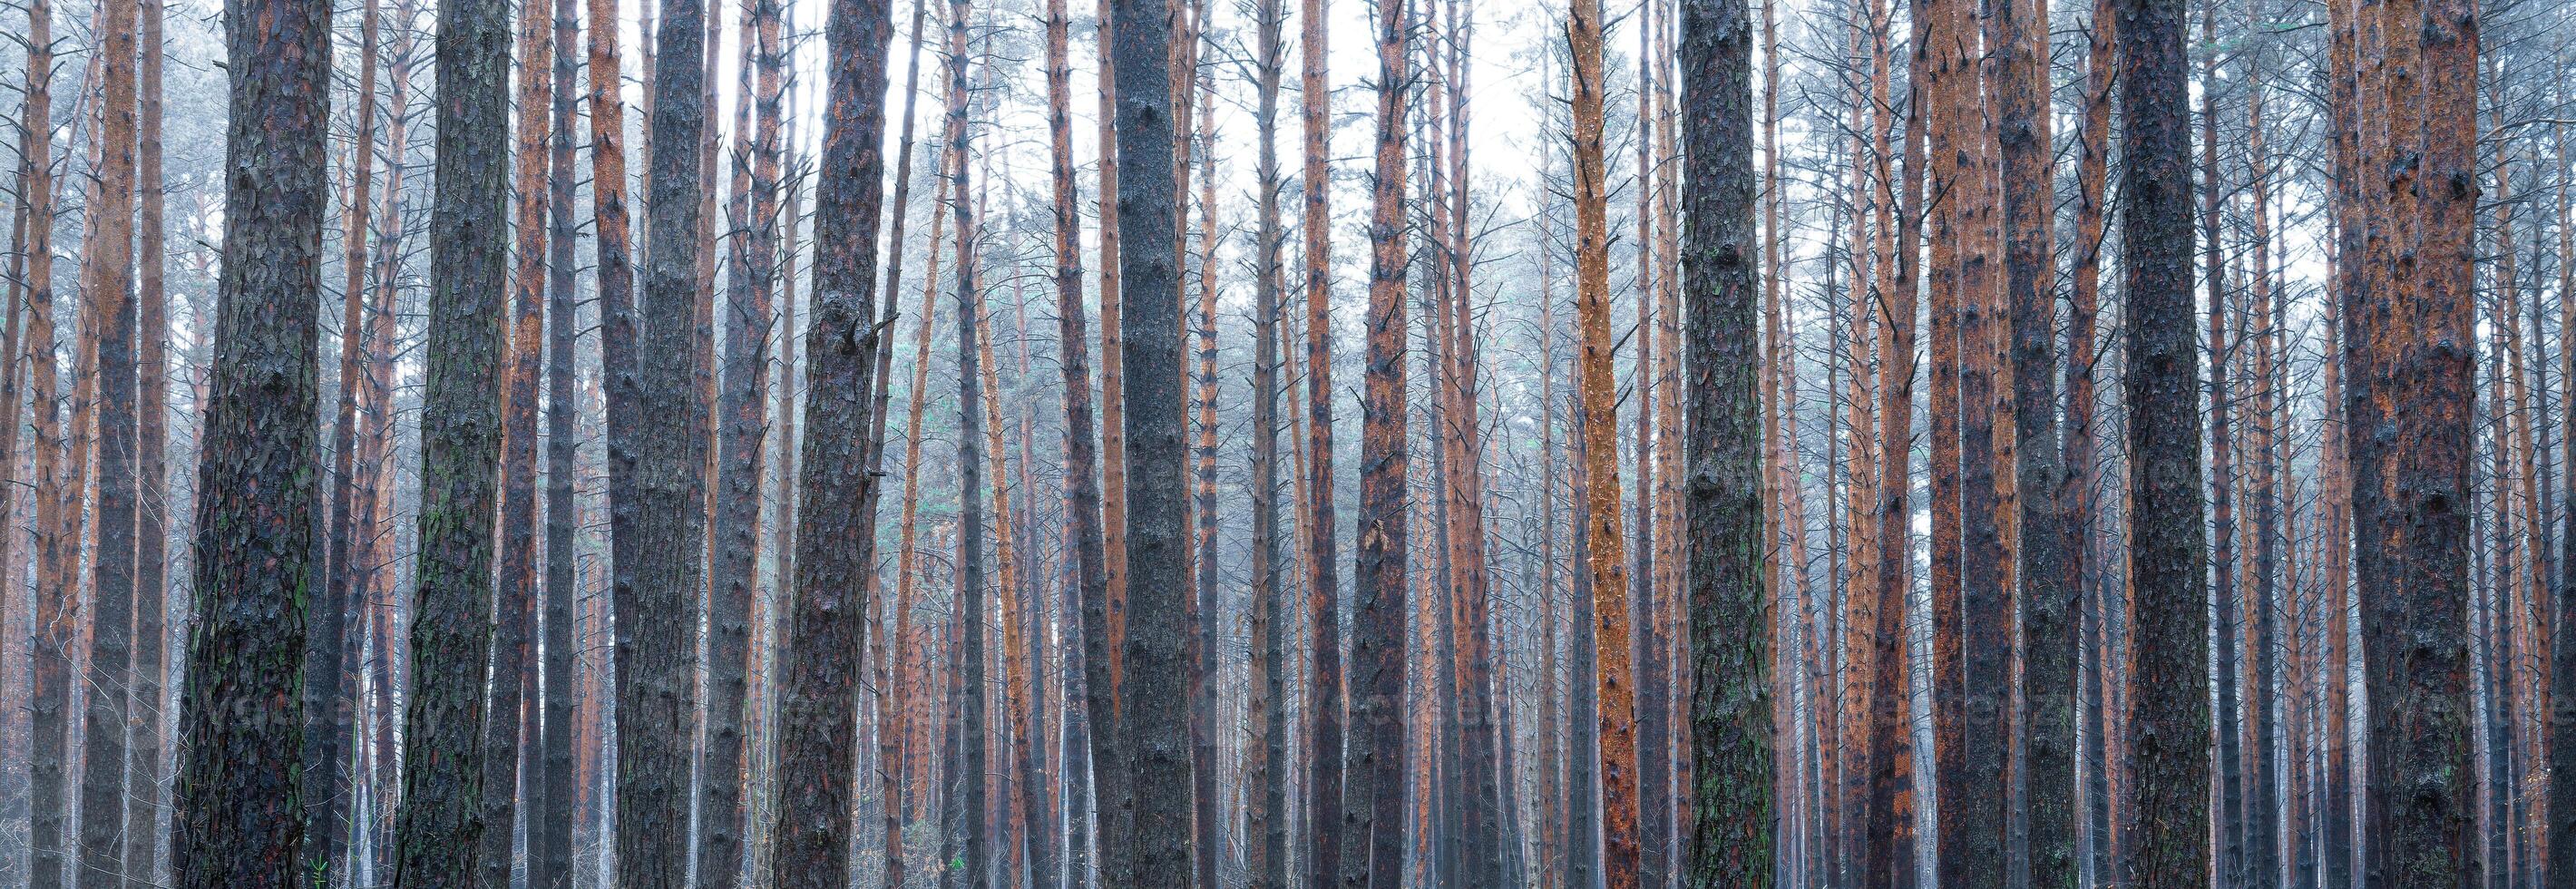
[444,778]
[2169,741]
[818,756]
[1730,838]
[1324,691]
[1607,550]
[49,679]
[107,277]
[146,722]
[725,811]
[550,804]
[523,353]
[906,554]
[1266,731]
[241,816]
[341,597]
[1081,455]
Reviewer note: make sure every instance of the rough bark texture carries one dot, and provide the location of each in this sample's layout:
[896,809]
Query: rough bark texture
[1730,839]
[1373,789]
[659,536]
[1324,691]
[2017,36]
[1607,549]
[550,806]
[451,632]
[1949,85]
[623,408]
[834,539]
[241,810]
[1153,715]
[2170,738]
[1265,736]
[2414,438]
[725,815]
[50,661]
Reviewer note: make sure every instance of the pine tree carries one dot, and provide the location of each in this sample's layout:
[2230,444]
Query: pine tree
[241,810]
[1373,788]
[1730,840]
[1324,802]
[659,532]
[2170,741]
[444,779]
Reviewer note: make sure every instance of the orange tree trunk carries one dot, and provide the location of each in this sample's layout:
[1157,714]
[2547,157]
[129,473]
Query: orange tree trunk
[1608,556]
[1373,791]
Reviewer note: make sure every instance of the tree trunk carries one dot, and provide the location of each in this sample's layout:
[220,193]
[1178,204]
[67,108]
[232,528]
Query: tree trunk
[373,505]
[621,390]
[2170,741]
[1484,844]
[2411,492]
[1731,822]
[1950,83]
[1653,709]
[256,534]
[2017,35]
[1984,812]
[144,801]
[1324,691]
[444,778]
[1607,556]
[741,459]
[1373,790]
[906,553]
[2082,450]
[2561,837]
[969,803]
[525,349]
[551,814]
[56,605]
[107,272]
[1153,714]
[330,758]
[1202,606]
[660,536]
[1266,705]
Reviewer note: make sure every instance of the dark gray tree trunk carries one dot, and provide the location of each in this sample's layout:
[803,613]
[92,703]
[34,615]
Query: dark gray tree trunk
[835,539]
[452,628]
[241,810]
[550,805]
[1731,819]
[660,537]
[1153,718]
[2169,741]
